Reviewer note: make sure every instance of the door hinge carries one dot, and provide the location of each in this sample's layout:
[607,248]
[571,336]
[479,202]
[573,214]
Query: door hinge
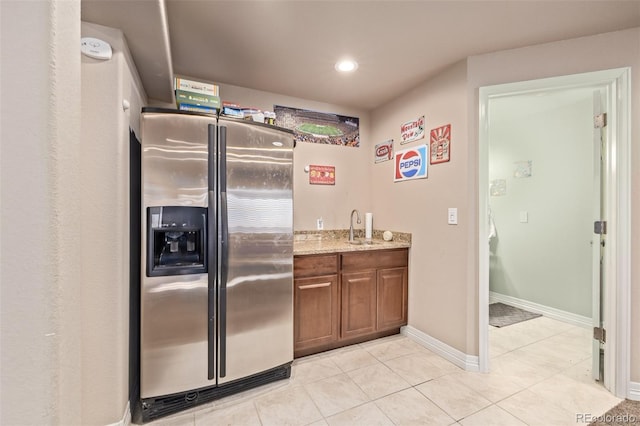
[600,227]
[600,120]
[600,334]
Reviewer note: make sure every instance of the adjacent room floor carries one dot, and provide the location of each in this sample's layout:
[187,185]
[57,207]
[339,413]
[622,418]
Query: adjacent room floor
[540,375]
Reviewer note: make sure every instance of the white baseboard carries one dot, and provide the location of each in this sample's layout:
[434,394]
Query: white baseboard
[126,418]
[557,314]
[462,360]
[634,391]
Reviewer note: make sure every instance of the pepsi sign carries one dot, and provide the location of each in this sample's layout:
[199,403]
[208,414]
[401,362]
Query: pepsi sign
[411,163]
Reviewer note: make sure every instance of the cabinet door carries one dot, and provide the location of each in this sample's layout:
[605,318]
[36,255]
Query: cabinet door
[358,303]
[315,311]
[392,298]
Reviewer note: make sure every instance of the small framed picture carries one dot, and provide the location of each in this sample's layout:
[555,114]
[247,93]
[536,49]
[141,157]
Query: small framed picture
[322,175]
[384,151]
[441,144]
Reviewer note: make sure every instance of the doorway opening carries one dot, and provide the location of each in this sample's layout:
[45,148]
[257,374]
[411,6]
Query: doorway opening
[540,192]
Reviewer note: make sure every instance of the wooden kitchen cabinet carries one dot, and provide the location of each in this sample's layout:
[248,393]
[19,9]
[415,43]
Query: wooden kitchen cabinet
[316,301]
[392,298]
[358,303]
[346,298]
[380,284]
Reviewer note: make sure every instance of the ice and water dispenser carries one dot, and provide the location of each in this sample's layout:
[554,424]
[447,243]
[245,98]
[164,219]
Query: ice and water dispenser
[176,240]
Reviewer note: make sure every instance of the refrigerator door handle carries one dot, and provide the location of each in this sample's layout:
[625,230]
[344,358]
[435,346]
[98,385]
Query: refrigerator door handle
[212,254]
[223,159]
[224,250]
[212,129]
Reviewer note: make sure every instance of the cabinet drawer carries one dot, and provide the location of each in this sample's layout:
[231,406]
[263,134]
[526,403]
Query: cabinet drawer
[314,265]
[375,259]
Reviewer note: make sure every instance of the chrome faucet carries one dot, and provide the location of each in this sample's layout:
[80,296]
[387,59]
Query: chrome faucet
[351,223]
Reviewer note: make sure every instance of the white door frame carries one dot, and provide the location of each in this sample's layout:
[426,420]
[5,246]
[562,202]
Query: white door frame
[618,203]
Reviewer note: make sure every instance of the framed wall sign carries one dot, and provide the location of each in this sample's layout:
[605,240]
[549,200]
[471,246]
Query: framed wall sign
[412,130]
[411,163]
[319,127]
[441,144]
[384,151]
[322,175]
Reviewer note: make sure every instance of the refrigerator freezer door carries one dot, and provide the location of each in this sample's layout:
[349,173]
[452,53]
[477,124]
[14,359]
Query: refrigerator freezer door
[258,332]
[174,159]
[174,311]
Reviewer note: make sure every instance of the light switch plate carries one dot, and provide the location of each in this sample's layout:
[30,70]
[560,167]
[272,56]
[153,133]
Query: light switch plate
[452,216]
[524,217]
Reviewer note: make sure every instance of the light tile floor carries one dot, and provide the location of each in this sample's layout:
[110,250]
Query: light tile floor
[540,375]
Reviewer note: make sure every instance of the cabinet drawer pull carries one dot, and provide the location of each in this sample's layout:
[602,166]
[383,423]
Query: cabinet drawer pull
[304,287]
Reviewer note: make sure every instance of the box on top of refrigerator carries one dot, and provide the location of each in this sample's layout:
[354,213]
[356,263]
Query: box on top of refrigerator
[197,108]
[208,89]
[194,95]
[198,99]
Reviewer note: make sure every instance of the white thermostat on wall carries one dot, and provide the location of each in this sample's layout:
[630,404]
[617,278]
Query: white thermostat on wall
[95,48]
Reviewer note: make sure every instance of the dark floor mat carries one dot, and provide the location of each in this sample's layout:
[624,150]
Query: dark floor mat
[625,413]
[501,315]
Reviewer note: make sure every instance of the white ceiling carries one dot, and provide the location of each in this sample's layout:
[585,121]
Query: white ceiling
[290,47]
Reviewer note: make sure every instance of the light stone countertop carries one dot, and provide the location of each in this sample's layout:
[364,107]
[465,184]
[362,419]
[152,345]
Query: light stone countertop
[336,241]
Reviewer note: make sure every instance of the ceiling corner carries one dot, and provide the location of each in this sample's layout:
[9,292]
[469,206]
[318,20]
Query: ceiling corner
[149,43]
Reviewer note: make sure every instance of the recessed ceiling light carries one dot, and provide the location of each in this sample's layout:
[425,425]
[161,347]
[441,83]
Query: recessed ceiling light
[346,65]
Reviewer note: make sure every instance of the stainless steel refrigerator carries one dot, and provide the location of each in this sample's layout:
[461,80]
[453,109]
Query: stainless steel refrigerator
[217,258]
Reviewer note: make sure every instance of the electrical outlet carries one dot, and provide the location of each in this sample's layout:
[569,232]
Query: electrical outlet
[319,224]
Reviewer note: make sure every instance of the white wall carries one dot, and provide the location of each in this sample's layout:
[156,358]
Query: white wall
[548,259]
[41,241]
[352,189]
[595,53]
[104,190]
[438,279]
